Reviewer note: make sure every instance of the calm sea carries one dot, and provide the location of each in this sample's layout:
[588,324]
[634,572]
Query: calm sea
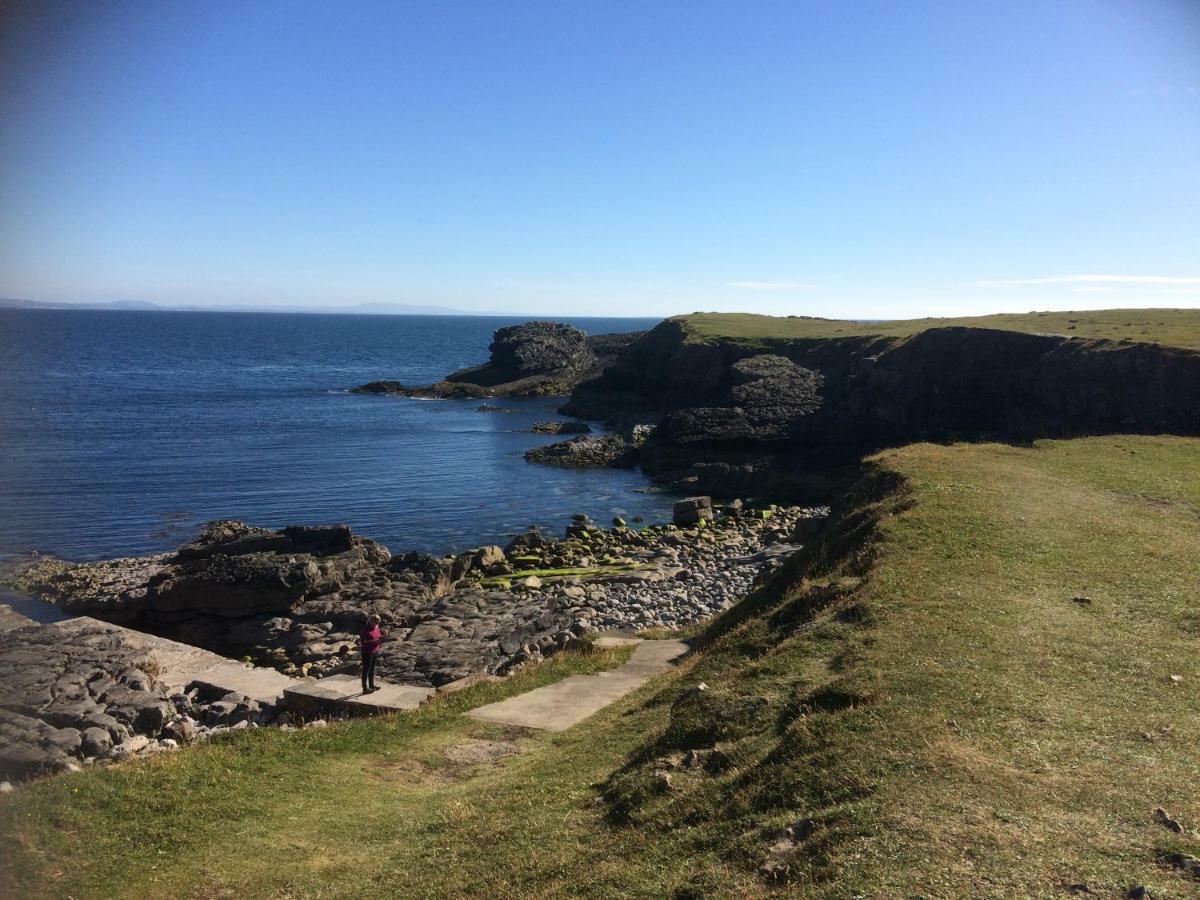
[122,432]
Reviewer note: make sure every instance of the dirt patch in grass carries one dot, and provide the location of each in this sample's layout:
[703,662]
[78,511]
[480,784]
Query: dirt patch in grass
[477,752]
[406,771]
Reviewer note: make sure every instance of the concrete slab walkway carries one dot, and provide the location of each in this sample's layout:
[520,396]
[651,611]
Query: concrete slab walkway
[344,692]
[556,707]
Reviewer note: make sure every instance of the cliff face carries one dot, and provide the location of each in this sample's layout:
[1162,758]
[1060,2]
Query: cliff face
[786,415]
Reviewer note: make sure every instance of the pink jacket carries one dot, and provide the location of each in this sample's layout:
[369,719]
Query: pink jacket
[371,638]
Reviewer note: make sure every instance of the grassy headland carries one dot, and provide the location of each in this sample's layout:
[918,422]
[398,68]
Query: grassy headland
[1174,327]
[979,681]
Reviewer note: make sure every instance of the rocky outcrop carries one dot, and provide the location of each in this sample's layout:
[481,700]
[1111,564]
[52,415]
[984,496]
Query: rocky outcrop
[536,348]
[617,450]
[794,416]
[531,360]
[561,428]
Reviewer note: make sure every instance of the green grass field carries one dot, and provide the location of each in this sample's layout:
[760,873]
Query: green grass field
[919,686]
[1176,327]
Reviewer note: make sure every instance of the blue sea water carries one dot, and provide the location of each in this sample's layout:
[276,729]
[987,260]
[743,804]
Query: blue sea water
[122,432]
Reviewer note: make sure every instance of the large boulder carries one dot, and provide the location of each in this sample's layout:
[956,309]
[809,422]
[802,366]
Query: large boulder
[539,347]
[774,393]
[234,585]
[692,510]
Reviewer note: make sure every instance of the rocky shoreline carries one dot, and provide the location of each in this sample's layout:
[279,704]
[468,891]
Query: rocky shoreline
[294,600]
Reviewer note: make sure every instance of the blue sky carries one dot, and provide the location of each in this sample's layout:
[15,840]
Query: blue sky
[604,158]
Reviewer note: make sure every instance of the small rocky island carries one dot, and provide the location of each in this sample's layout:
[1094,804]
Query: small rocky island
[536,359]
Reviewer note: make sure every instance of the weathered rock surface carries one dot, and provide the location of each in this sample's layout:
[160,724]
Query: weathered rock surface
[299,605]
[88,692]
[569,427]
[533,360]
[618,450]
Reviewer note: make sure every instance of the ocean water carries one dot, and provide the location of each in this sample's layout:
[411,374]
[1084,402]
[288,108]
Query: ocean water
[122,432]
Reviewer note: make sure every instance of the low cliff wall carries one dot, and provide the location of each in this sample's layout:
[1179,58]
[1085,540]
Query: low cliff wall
[842,397]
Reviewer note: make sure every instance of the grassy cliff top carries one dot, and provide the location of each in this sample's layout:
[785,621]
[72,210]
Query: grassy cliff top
[1176,327]
[979,680]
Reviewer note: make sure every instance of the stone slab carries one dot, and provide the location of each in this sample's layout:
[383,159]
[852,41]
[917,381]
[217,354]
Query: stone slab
[556,707]
[609,642]
[345,692]
[179,664]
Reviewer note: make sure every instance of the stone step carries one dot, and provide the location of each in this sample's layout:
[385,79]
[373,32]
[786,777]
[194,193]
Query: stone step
[343,693]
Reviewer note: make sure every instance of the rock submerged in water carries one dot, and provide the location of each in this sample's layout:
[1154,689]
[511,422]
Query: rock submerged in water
[561,428]
[379,387]
[617,451]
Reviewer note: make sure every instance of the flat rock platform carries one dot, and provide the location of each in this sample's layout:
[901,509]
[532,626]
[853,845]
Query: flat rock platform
[180,664]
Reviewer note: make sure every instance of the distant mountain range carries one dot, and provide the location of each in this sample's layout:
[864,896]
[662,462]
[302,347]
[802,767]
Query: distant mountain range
[355,309]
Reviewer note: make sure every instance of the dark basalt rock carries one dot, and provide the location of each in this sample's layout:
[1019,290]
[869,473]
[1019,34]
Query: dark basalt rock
[536,348]
[561,428]
[380,387]
[619,451]
[774,393]
[793,417]
[534,359]
[233,585]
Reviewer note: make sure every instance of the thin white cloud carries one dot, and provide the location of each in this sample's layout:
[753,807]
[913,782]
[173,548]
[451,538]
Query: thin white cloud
[1094,280]
[773,285]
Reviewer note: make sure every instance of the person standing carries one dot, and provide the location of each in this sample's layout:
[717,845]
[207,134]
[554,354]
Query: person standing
[369,640]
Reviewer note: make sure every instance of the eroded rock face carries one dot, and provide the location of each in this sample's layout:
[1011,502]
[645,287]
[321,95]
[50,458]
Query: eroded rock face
[773,393]
[794,416]
[536,348]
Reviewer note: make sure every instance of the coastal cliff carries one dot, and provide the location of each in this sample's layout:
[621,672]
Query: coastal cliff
[791,415]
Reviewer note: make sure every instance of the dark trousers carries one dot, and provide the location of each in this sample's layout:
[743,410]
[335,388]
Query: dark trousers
[368,671]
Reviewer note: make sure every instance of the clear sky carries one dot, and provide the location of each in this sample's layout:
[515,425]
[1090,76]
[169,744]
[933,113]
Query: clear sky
[842,158]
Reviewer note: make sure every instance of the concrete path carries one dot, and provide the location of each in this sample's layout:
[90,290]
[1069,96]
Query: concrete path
[345,692]
[179,664]
[556,707]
